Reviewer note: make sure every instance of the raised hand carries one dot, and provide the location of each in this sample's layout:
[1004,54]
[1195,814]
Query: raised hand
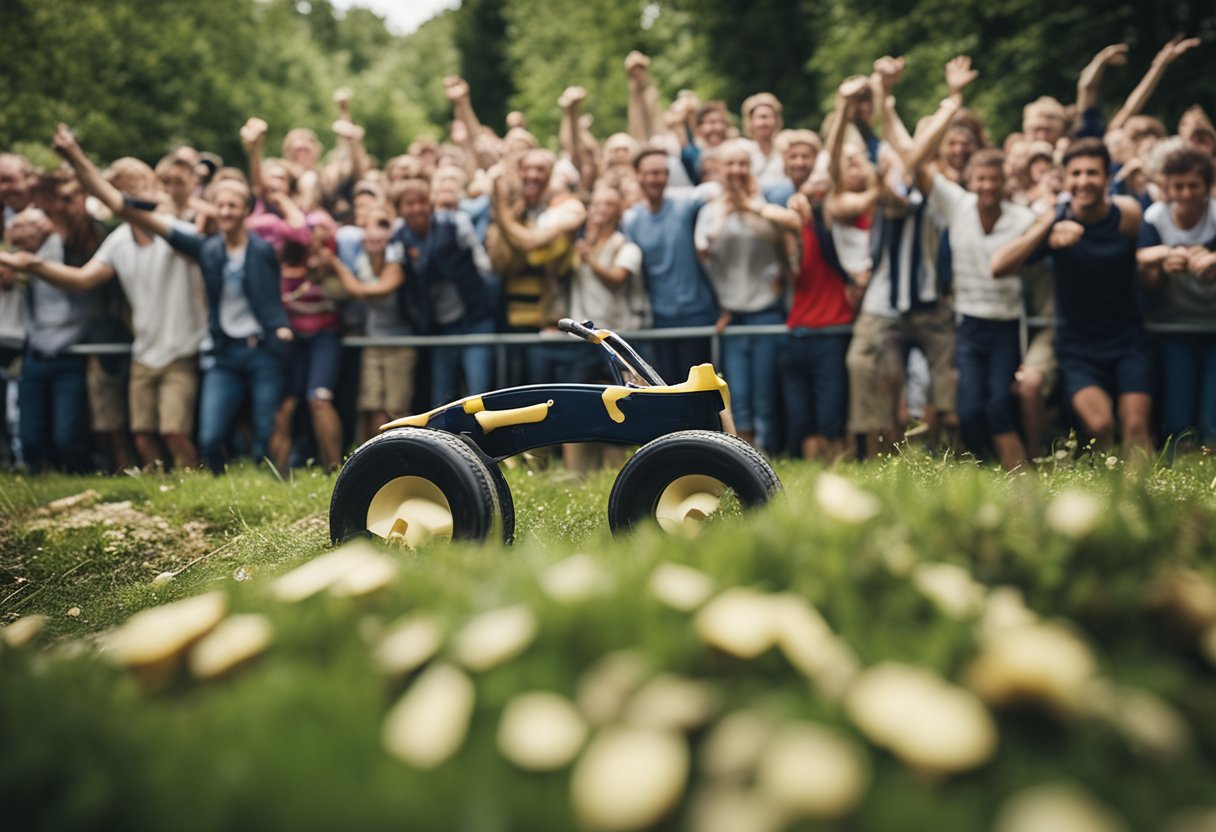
[1175,49]
[348,130]
[572,97]
[854,87]
[455,88]
[253,132]
[959,74]
[64,142]
[1065,234]
[889,71]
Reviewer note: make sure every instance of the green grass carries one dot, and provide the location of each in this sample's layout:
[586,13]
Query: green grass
[292,740]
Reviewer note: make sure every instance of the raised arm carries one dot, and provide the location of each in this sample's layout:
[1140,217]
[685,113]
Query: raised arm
[643,113]
[1090,80]
[1139,96]
[94,183]
[457,91]
[841,115]
[570,133]
[253,139]
[526,239]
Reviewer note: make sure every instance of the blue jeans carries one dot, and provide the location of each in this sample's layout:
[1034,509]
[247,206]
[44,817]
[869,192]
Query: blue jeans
[476,363]
[1188,385]
[238,370]
[815,384]
[53,404]
[749,365]
[987,353]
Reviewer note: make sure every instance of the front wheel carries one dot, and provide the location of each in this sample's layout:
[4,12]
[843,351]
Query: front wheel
[410,485]
[680,479]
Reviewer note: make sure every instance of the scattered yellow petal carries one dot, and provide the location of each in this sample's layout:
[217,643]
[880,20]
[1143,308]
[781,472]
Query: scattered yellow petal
[575,579]
[680,587]
[541,731]
[733,748]
[742,622]
[409,644]
[1186,596]
[811,771]
[843,501]
[950,587]
[813,649]
[629,778]
[1055,807]
[162,632]
[1074,514]
[494,637]
[326,571]
[717,809]
[921,718]
[233,641]
[670,701]
[429,723]
[605,686]
[23,630]
[1043,663]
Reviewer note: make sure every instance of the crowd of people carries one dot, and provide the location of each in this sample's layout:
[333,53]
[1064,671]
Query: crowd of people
[904,265]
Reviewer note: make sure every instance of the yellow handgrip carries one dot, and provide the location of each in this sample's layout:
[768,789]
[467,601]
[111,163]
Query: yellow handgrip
[493,419]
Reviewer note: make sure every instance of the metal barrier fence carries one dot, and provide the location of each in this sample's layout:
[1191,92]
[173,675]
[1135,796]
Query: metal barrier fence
[503,341]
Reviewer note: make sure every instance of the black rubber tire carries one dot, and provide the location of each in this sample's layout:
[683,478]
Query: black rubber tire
[635,494]
[506,503]
[442,458]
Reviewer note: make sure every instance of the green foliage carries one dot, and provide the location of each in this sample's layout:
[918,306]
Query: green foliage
[481,38]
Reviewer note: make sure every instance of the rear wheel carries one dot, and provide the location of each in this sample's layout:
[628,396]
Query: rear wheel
[411,485]
[680,480]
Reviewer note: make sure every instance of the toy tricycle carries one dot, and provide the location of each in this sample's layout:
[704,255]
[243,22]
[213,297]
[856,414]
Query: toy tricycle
[437,474]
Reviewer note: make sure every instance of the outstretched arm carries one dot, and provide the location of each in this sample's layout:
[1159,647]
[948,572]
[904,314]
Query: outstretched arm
[643,114]
[1011,257]
[1090,80]
[69,278]
[253,139]
[457,90]
[1139,96]
[94,183]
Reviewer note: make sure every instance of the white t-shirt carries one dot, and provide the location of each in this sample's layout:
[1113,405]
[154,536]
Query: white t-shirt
[623,308]
[976,292]
[1184,298]
[743,264]
[165,290]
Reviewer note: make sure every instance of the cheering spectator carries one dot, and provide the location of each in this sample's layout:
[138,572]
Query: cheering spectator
[762,121]
[1176,260]
[739,238]
[1100,343]
[17,182]
[168,312]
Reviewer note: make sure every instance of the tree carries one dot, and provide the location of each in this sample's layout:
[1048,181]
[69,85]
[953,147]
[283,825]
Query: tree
[481,38]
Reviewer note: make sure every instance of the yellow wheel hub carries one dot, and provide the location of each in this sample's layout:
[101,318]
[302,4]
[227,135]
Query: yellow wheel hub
[687,502]
[409,511]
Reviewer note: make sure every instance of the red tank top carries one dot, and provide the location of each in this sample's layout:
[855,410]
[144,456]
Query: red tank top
[819,294]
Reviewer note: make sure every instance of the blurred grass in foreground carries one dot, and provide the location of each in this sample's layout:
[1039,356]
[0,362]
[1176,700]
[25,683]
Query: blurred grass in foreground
[294,738]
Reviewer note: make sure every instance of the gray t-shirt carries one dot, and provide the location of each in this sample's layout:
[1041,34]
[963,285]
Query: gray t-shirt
[236,318]
[58,319]
[745,257]
[384,316]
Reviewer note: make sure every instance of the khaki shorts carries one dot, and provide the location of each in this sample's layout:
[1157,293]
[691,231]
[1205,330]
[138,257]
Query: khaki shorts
[871,403]
[933,331]
[163,399]
[386,380]
[107,398]
[1041,356]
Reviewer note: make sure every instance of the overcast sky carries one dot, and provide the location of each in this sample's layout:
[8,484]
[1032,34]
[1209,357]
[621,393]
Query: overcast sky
[403,16]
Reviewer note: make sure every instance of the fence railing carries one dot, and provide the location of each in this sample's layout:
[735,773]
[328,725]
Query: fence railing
[503,341]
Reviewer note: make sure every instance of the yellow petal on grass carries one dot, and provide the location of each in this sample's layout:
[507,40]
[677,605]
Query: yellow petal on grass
[809,644]
[541,731]
[1149,723]
[734,745]
[844,502]
[674,702]
[234,641]
[1004,609]
[950,588]
[680,587]
[1186,596]
[1042,663]
[575,579]
[1055,807]
[429,723]
[742,622]
[494,637]
[376,571]
[409,644]
[355,562]
[717,809]
[1074,514]
[922,719]
[811,771]
[160,633]
[604,688]
[629,778]
[24,630]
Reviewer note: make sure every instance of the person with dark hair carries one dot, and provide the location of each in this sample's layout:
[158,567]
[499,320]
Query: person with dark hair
[247,325]
[1105,365]
[680,295]
[1178,264]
